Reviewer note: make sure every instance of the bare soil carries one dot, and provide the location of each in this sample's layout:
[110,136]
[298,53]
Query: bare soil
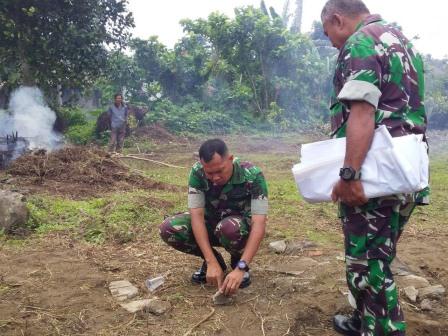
[58,286]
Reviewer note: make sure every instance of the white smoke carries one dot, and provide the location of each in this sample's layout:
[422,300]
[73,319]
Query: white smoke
[31,118]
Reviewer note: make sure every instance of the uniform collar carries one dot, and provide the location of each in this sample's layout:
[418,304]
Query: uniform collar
[368,20]
[238,176]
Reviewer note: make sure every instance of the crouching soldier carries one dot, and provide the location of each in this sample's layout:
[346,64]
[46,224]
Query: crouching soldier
[228,204]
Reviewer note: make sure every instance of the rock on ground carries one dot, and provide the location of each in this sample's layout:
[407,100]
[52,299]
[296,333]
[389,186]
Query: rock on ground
[413,280]
[13,211]
[153,306]
[123,290]
[278,246]
[436,292]
[411,293]
[426,305]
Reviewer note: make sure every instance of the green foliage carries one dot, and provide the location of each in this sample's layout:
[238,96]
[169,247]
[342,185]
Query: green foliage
[192,117]
[72,116]
[436,77]
[81,134]
[59,43]
[80,125]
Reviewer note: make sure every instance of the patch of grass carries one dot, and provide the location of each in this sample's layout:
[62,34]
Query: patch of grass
[119,217]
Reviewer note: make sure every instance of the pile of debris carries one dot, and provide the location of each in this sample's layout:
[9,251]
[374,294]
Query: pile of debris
[77,172]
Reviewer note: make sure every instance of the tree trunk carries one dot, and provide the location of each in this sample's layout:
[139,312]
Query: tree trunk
[297,24]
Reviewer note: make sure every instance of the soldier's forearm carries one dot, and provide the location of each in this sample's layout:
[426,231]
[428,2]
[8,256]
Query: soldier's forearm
[201,235]
[256,235]
[360,130]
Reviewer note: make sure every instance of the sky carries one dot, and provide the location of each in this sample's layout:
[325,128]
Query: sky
[429,21]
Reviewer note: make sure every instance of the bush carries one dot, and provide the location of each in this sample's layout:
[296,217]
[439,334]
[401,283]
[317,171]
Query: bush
[81,134]
[80,125]
[73,116]
[194,117]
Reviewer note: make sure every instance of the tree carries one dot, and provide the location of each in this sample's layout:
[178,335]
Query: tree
[53,43]
[297,24]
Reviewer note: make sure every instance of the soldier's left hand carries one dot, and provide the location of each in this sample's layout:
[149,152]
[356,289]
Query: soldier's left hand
[232,282]
[350,193]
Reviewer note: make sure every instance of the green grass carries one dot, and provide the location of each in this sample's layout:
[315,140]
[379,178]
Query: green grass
[121,217]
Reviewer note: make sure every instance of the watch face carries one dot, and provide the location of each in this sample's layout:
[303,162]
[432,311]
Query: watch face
[347,173]
[242,264]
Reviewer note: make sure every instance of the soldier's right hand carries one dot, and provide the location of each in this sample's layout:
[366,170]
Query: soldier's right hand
[215,274]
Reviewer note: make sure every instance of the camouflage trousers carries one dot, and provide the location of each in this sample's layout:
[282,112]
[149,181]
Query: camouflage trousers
[231,233]
[370,246]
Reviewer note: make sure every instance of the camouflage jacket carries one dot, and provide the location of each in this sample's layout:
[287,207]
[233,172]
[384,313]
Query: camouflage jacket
[246,192]
[379,65]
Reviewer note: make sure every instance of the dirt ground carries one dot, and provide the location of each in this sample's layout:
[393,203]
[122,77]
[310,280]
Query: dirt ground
[76,172]
[58,285]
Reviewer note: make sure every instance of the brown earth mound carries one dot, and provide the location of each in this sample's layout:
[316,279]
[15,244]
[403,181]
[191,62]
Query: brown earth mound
[77,172]
[156,133]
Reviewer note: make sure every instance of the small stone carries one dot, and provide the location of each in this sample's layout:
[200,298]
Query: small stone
[278,246]
[435,292]
[411,293]
[298,246]
[14,213]
[399,268]
[426,305]
[122,290]
[220,299]
[153,306]
[413,280]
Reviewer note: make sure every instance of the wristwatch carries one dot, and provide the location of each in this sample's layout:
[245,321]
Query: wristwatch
[242,265]
[349,174]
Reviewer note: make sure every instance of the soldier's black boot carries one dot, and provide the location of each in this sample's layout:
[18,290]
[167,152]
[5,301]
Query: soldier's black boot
[246,278]
[348,325]
[200,276]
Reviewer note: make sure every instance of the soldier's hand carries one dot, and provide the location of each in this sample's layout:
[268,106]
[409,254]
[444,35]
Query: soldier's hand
[232,282]
[350,193]
[215,274]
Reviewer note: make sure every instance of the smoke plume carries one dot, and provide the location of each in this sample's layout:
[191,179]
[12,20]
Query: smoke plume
[29,115]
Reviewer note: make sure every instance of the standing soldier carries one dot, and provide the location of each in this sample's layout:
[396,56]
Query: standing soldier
[118,114]
[228,206]
[378,81]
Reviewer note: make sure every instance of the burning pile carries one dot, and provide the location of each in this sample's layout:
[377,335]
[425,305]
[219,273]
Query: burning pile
[77,172]
[11,147]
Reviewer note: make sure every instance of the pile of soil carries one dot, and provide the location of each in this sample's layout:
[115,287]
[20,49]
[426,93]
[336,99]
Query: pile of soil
[77,172]
[157,133]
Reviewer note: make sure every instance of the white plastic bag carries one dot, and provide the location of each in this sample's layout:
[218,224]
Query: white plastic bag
[392,166]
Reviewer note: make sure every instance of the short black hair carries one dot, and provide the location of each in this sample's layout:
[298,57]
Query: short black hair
[118,95]
[210,147]
[350,8]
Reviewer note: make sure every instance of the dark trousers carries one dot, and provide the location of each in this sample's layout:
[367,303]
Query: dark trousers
[116,138]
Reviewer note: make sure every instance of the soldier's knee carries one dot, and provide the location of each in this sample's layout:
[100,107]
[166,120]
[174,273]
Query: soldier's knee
[230,227]
[165,230]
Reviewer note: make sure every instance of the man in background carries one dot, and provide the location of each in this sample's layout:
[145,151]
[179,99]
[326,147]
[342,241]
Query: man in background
[118,114]
[379,80]
[228,202]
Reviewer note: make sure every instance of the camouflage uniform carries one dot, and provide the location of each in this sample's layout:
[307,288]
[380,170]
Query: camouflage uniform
[378,65]
[228,209]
